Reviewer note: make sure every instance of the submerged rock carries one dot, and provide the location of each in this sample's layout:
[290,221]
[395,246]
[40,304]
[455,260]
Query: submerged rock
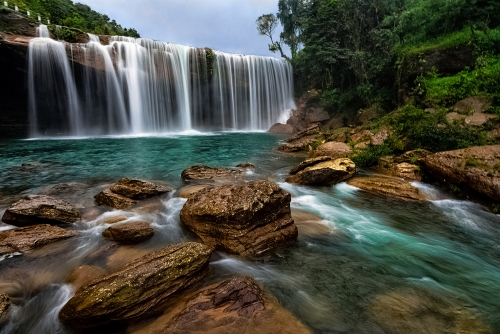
[333,149]
[324,173]
[476,168]
[109,198]
[246,165]
[210,173]
[388,187]
[279,128]
[237,305]
[85,274]
[129,233]
[137,287]
[244,219]
[24,239]
[5,304]
[138,189]
[40,209]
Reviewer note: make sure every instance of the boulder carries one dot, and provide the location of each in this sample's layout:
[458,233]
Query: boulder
[358,136]
[237,305]
[335,150]
[379,138]
[210,173]
[407,171]
[40,209]
[316,115]
[24,239]
[388,187]
[307,163]
[412,156]
[298,123]
[474,104]
[298,144]
[325,173]
[189,190]
[279,128]
[109,198]
[244,219]
[129,233]
[5,304]
[138,189]
[479,118]
[136,288]
[475,168]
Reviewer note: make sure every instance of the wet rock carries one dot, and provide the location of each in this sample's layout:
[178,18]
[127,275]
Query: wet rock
[109,198]
[407,171]
[4,307]
[114,219]
[152,206]
[136,288]
[309,162]
[475,104]
[129,233]
[388,187]
[210,173]
[63,188]
[379,138]
[475,168]
[246,165]
[335,150]
[25,239]
[325,173]
[309,223]
[189,190]
[279,128]
[138,189]
[237,305]
[301,140]
[85,274]
[419,312]
[244,219]
[40,209]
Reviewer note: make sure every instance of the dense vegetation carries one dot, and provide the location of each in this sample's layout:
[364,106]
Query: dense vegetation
[74,15]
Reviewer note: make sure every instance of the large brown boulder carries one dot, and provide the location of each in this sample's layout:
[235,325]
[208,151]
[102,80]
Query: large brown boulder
[388,187]
[476,168]
[24,239]
[129,233]
[109,198]
[40,209]
[243,219]
[138,189]
[308,163]
[4,307]
[324,173]
[279,128]
[210,173]
[137,287]
[237,305]
[333,149]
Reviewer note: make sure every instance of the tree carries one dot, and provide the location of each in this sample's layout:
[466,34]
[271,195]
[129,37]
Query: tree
[266,25]
[289,14]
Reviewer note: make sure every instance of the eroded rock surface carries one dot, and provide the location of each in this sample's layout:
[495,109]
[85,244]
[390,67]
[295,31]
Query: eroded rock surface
[109,198]
[475,168]
[24,239]
[333,149]
[301,140]
[279,128]
[40,209]
[309,162]
[129,233]
[244,219]
[137,287]
[324,173]
[210,173]
[388,187]
[138,189]
[4,307]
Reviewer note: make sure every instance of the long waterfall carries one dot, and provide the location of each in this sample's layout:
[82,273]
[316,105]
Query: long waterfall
[141,86]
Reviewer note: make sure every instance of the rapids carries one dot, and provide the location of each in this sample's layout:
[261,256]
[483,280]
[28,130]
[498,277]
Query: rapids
[362,250]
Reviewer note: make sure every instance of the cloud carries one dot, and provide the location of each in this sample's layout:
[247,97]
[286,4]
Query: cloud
[225,25]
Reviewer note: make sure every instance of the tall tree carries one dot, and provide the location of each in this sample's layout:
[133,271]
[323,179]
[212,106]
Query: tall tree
[266,25]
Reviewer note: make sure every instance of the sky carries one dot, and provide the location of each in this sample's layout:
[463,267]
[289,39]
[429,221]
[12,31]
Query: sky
[224,25]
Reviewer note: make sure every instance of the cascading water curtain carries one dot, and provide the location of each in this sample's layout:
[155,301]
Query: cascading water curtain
[141,86]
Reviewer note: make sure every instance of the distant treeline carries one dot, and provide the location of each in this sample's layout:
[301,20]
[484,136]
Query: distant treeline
[74,15]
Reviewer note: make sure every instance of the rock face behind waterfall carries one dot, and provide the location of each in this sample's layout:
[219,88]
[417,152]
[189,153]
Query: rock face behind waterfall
[136,288]
[475,168]
[243,219]
[322,171]
[40,209]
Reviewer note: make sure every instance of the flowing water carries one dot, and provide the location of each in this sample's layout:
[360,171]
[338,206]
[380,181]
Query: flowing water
[137,86]
[359,263]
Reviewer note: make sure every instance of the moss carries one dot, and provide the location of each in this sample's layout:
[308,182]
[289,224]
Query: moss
[210,59]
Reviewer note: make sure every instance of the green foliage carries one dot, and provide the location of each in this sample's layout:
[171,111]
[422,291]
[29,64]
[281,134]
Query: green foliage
[369,156]
[79,16]
[64,34]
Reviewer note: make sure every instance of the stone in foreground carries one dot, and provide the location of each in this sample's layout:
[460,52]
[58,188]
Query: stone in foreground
[129,233]
[136,288]
[388,187]
[24,239]
[324,173]
[476,168]
[237,305]
[138,189]
[333,149]
[40,209]
[210,173]
[4,307]
[109,198]
[243,219]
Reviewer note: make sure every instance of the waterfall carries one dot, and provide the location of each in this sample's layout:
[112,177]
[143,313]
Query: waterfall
[142,86]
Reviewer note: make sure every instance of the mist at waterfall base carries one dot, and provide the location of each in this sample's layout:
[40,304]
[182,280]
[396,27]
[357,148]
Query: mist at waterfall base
[140,86]
[375,248]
